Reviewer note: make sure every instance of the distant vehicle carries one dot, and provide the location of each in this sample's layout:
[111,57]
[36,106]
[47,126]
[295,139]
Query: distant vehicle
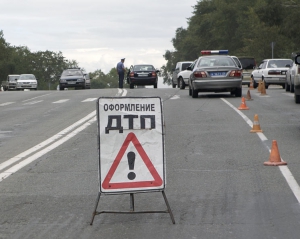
[184,76]
[74,78]
[297,80]
[248,65]
[141,75]
[180,66]
[27,81]
[10,83]
[271,72]
[215,71]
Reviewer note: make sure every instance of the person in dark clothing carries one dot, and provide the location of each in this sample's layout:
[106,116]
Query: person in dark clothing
[121,71]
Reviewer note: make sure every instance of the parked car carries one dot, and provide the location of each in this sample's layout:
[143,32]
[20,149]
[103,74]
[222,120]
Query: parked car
[10,83]
[184,76]
[248,65]
[74,78]
[271,72]
[141,75]
[289,78]
[297,80]
[180,66]
[215,71]
[27,81]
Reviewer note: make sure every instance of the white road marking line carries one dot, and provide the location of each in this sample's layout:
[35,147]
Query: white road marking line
[294,186]
[89,99]
[288,94]
[33,102]
[175,97]
[32,158]
[60,101]
[46,142]
[36,97]
[7,103]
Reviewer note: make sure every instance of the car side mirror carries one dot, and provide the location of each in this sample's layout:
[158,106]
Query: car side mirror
[297,59]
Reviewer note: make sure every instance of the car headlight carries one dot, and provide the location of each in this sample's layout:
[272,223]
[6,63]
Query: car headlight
[62,81]
[80,80]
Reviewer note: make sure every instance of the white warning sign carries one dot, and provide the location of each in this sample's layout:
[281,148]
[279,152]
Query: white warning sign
[131,144]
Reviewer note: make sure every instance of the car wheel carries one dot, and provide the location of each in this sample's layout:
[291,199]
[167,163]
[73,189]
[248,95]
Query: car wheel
[297,99]
[287,86]
[181,83]
[292,88]
[194,93]
[238,92]
[190,90]
[61,88]
[155,85]
[131,86]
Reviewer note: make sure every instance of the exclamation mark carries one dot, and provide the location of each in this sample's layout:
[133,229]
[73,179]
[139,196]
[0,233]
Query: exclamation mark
[131,159]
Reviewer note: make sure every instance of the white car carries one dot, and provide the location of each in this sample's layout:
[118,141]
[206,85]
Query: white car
[271,72]
[27,81]
[183,76]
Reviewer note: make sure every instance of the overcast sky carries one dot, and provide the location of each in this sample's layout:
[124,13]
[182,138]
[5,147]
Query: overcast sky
[96,33]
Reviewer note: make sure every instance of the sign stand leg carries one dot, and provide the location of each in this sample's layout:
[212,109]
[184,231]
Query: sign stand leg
[132,209]
[131,202]
[168,206]
[95,210]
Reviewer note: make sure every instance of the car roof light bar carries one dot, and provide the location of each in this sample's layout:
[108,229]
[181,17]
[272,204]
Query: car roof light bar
[214,52]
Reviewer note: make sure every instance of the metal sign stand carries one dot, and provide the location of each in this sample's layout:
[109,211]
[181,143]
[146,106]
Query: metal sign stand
[132,211]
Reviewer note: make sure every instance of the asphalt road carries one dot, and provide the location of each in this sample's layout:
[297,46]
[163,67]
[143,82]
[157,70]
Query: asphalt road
[217,184]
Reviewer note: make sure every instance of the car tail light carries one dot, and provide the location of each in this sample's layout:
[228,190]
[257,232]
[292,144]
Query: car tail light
[153,74]
[131,74]
[199,74]
[235,73]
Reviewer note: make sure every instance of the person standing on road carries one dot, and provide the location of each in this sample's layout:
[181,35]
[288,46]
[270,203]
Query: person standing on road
[121,72]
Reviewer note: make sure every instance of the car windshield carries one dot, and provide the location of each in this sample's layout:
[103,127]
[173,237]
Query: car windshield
[247,63]
[279,63]
[216,61]
[185,65]
[72,73]
[143,68]
[27,77]
[14,77]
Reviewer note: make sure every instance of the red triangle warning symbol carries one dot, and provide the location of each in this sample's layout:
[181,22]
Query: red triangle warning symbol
[131,137]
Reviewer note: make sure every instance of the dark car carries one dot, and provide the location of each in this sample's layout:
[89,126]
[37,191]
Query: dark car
[142,75]
[248,64]
[74,78]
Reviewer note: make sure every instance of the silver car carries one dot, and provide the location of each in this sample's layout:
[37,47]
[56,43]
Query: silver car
[215,73]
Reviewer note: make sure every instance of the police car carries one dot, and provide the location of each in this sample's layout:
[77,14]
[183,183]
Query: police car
[215,71]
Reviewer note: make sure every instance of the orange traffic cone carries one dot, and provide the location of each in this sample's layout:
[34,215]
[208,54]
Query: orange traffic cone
[248,97]
[275,159]
[251,87]
[243,105]
[263,89]
[256,126]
